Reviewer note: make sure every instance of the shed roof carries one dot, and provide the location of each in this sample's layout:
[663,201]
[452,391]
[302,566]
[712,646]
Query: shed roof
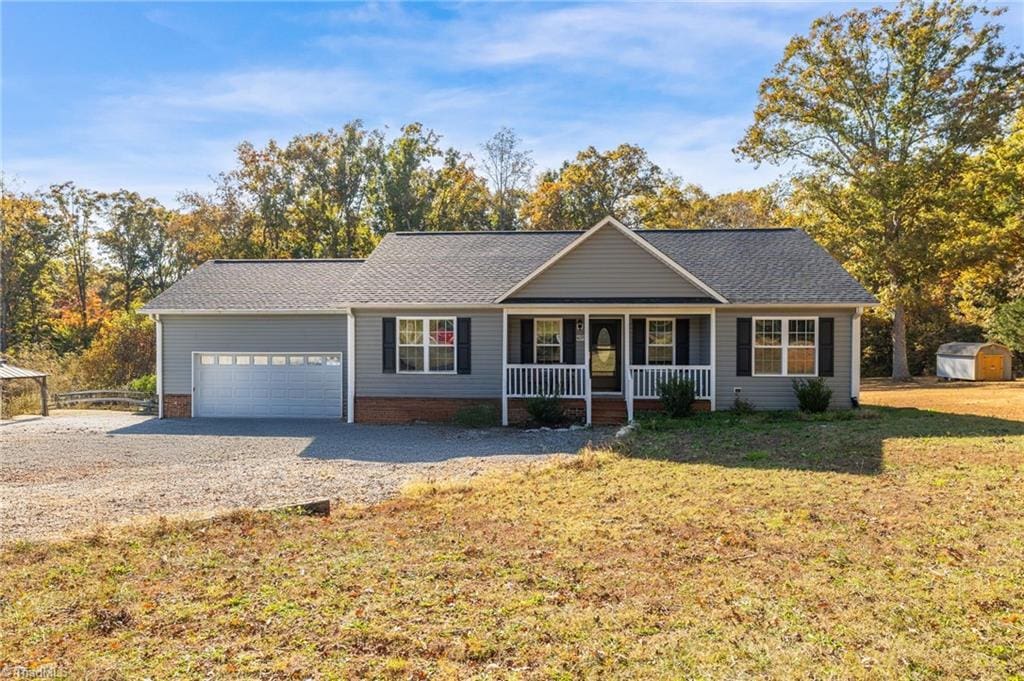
[10,371]
[965,349]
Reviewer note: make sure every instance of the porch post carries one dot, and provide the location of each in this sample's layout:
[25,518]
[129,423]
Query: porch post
[504,367]
[714,373]
[586,361]
[627,331]
[44,396]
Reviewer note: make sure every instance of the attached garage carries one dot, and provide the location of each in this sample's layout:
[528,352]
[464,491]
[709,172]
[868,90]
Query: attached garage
[272,385]
[255,339]
[974,362]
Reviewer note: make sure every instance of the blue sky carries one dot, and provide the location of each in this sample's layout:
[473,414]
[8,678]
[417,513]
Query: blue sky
[154,97]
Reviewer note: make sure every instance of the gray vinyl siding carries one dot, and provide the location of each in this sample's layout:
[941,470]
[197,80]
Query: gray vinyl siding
[608,264]
[776,392]
[700,339]
[484,381]
[185,334]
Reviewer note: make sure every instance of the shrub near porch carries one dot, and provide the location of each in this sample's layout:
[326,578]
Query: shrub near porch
[880,543]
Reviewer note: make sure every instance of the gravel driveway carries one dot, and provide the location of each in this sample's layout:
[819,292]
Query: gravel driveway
[74,471]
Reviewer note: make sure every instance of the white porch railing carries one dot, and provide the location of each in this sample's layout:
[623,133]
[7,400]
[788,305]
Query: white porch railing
[646,379]
[530,380]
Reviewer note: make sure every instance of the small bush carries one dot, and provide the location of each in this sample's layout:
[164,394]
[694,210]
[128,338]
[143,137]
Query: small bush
[546,410]
[143,384]
[477,416]
[742,406]
[677,396]
[813,394]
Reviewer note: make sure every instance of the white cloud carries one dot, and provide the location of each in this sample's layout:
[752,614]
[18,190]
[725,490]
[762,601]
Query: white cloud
[665,38]
[465,77]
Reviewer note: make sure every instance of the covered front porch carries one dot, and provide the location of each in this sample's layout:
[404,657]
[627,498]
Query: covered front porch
[605,363]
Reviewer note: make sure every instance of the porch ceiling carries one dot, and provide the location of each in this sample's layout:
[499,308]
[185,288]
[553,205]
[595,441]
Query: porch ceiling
[612,301]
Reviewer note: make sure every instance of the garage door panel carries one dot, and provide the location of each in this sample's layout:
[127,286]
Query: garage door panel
[268,385]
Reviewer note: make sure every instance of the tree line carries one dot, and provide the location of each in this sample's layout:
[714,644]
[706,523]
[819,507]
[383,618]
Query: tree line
[903,128]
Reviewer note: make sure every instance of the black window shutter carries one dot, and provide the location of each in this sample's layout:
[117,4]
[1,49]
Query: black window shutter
[388,345]
[682,341]
[568,341]
[639,341]
[462,351]
[826,346]
[526,341]
[743,346]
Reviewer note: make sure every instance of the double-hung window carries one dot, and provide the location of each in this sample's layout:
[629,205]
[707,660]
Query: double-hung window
[785,346]
[660,341]
[426,345]
[547,339]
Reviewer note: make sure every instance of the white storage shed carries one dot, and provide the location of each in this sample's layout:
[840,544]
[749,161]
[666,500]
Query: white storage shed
[974,362]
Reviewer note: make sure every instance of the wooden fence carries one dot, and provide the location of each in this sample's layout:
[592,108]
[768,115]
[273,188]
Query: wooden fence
[144,402]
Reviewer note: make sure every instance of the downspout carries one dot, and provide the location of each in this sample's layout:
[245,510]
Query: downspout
[714,360]
[350,363]
[855,357]
[504,366]
[159,367]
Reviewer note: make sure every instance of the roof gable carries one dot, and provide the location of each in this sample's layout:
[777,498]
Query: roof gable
[608,260]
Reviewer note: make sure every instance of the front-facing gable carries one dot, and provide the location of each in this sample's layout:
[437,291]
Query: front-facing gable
[609,262]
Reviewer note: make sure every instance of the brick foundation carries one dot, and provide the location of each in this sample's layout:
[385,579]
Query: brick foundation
[177,406]
[411,409]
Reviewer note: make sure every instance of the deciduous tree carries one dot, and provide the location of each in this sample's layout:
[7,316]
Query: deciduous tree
[403,180]
[595,184]
[880,108]
[508,168]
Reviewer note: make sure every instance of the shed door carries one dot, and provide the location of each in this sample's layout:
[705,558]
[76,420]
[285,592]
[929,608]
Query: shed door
[991,367]
[291,385]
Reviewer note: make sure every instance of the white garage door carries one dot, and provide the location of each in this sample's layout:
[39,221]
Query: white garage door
[298,385]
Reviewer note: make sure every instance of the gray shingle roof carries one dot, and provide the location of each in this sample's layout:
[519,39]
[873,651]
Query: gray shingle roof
[744,265]
[240,285]
[452,267]
[780,266]
[760,265]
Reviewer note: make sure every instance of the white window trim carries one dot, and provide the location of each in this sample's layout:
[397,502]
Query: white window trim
[648,345]
[426,345]
[561,341]
[785,346]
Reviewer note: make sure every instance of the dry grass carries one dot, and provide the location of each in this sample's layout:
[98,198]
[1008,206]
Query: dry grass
[887,544]
[1002,400]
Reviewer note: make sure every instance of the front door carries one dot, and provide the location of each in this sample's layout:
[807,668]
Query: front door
[605,362]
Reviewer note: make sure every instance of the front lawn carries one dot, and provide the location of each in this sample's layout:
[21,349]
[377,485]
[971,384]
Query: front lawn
[885,543]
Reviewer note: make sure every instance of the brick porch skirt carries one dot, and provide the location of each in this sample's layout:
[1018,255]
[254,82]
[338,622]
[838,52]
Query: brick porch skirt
[575,410]
[177,406]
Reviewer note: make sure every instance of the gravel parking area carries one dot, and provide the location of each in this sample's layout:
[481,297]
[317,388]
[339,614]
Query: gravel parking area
[74,471]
